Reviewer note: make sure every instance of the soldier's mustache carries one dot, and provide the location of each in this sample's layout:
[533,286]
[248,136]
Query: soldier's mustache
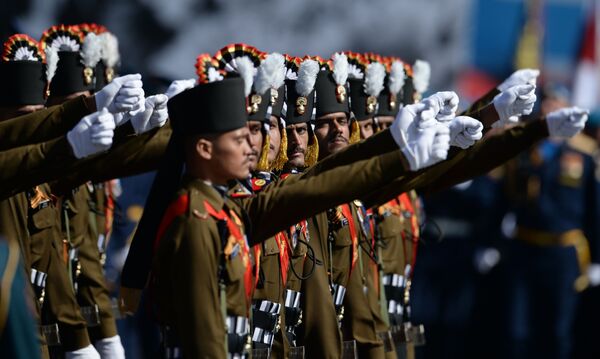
[336,138]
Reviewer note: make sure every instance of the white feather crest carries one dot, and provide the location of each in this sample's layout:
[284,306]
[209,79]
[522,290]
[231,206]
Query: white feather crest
[421,75]
[340,68]
[307,76]
[110,49]
[270,73]
[396,79]
[91,50]
[24,54]
[374,79]
[245,68]
[214,75]
[51,62]
[65,43]
[355,72]
[291,74]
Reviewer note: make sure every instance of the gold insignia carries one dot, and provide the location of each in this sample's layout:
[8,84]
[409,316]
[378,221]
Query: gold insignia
[87,75]
[571,169]
[371,104]
[393,101]
[301,103]
[260,182]
[340,93]
[109,73]
[274,96]
[134,212]
[255,101]
[38,197]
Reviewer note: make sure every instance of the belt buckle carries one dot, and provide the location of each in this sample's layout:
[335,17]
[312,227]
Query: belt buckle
[388,343]
[349,350]
[51,334]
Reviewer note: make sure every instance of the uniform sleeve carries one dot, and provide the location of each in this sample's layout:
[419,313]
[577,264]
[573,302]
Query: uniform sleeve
[27,166]
[462,165]
[197,309]
[42,125]
[130,155]
[278,207]
[481,103]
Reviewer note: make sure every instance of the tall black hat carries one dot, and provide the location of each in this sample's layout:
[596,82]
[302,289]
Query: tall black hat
[390,99]
[332,87]
[22,72]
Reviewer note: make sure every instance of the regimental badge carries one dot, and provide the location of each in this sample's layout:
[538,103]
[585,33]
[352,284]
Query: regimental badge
[371,104]
[109,74]
[260,182]
[393,101]
[87,75]
[301,103]
[571,169]
[274,96]
[255,101]
[340,93]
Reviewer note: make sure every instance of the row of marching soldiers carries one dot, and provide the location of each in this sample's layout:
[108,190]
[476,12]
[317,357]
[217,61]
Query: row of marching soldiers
[283,220]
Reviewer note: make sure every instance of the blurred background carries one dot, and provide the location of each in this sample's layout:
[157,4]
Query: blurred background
[467,288]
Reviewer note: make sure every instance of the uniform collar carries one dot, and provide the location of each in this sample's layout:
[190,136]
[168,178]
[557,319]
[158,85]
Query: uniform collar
[207,191]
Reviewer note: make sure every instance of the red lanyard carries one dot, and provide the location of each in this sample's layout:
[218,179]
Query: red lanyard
[414,224]
[347,212]
[233,225]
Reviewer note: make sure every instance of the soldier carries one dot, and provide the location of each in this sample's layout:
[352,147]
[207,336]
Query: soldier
[554,194]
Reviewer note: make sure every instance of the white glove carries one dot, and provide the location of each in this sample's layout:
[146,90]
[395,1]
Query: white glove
[424,141]
[84,353]
[514,102]
[92,134]
[486,259]
[593,274]
[445,103]
[520,77]
[110,348]
[155,114]
[465,131]
[566,122]
[122,94]
[178,86]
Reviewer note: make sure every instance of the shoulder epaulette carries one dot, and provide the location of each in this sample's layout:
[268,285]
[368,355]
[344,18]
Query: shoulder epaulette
[175,209]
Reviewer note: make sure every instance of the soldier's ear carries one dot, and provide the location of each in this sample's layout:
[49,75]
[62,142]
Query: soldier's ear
[204,148]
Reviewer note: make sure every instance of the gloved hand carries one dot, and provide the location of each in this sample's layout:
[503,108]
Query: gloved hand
[566,122]
[178,86]
[154,115]
[520,77]
[593,274]
[93,134]
[423,140]
[514,102]
[465,131]
[84,353]
[110,348]
[486,259]
[445,103]
[122,94]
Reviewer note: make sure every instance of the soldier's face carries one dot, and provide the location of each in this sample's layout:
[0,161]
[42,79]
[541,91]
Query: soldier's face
[275,136]
[255,136]
[333,133]
[230,155]
[9,112]
[298,138]
[384,122]
[366,128]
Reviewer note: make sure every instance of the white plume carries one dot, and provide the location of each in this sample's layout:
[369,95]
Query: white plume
[24,54]
[307,76]
[340,68]
[421,75]
[110,49]
[374,79]
[291,74]
[396,79]
[355,72]
[245,69]
[214,75]
[271,73]
[91,50]
[65,43]
[51,62]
